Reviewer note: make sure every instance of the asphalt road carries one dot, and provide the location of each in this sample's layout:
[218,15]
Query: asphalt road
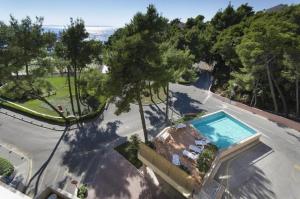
[270,170]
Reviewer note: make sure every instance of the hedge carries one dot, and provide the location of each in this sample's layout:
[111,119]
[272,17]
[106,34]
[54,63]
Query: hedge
[48,118]
[6,168]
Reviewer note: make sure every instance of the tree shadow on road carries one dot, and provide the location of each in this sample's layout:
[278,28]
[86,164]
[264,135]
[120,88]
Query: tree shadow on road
[33,184]
[185,104]
[245,179]
[293,135]
[87,140]
[204,81]
[92,159]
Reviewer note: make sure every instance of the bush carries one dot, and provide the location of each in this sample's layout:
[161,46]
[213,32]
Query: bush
[189,116]
[6,168]
[82,192]
[204,160]
[212,148]
[134,144]
[130,151]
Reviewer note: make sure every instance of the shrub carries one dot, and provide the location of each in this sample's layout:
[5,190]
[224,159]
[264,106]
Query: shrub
[6,168]
[82,192]
[204,160]
[190,116]
[130,150]
[133,147]
[212,148]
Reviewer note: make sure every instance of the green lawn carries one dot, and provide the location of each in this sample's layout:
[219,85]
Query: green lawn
[132,158]
[61,97]
[157,98]
[6,168]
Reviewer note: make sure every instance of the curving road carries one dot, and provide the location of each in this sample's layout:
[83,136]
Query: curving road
[269,170]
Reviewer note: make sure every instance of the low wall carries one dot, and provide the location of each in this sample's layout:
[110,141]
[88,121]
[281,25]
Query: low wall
[239,147]
[59,192]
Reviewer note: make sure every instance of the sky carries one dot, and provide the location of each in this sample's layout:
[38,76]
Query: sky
[117,13]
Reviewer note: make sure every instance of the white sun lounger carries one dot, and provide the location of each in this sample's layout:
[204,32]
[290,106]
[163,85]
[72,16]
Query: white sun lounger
[163,137]
[175,159]
[189,155]
[202,142]
[180,126]
[196,149]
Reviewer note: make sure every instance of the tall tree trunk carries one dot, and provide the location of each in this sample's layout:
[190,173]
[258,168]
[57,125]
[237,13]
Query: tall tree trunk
[150,91]
[271,87]
[76,90]
[285,108]
[254,97]
[43,99]
[27,71]
[70,89]
[167,103]
[79,92]
[142,116]
[253,93]
[297,91]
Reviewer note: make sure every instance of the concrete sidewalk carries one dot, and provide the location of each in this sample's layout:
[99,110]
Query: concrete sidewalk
[21,164]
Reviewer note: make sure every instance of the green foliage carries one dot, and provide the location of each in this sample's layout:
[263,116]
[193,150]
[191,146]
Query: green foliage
[189,117]
[204,160]
[213,148]
[78,53]
[130,153]
[253,53]
[82,191]
[34,114]
[176,64]
[134,60]
[134,144]
[92,87]
[16,90]
[27,42]
[6,168]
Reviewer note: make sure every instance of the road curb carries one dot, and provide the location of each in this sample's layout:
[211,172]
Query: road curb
[21,154]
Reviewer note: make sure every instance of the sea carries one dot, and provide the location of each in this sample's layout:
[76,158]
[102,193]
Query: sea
[100,33]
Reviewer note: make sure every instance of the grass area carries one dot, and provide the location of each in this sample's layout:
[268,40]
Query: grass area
[36,108]
[29,113]
[6,168]
[61,97]
[190,116]
[157,98]
[123,149]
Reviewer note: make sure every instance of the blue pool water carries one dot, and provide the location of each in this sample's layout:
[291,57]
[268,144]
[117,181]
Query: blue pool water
[222,129]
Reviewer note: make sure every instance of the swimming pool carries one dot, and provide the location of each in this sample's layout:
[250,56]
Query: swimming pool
[222,129]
